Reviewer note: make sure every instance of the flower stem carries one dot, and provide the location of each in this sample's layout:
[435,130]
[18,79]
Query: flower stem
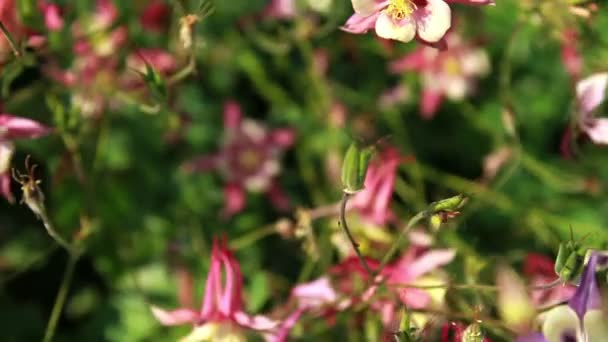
[397,244]
[10,40]
[252,237]
[61,297]
[355,245]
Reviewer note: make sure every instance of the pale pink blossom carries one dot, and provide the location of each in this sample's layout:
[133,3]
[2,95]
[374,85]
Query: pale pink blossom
[248,160]
[450,73]
[404,20]
[12,128]
[221,317]
[590,94]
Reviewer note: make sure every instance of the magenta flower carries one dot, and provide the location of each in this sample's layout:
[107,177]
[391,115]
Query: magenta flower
[447,73]
[280,9]
[583,319]
[590,93]
[221,317]
[248,160]
[373,202]
[404,20]
[52,15]
[11,128]
[541,271]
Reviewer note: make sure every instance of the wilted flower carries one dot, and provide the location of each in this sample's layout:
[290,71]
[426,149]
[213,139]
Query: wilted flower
[583,319]
[248,159]
[590,93]
[11,128]
[450,73]
[404,20]
[221,317]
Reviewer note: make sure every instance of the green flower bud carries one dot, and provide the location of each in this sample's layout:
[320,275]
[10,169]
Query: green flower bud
[473,333]
[449,204]
[354,167]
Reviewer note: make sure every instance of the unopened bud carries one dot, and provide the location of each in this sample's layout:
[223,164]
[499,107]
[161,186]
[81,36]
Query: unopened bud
[473,333]
[449,204]
[354,167]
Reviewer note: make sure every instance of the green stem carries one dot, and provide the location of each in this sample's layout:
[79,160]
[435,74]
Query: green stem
[397,244]
[252,237]
[10,40]
[355,245]
[61,297]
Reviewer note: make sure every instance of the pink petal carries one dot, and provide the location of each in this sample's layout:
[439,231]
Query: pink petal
[230,300]
[5,187]
[414,298]
[212,288]
[154,16]
[431,100]
[232,115]
[473,2]
[597,131]
[591,92]
[175,317]
[427,262]
[234,199]
[281,9]
[14,127]
[573,62]
[315,293]
[283,137]
[360,24]
[416,60]
[52,17]
[257,322]
[285,328]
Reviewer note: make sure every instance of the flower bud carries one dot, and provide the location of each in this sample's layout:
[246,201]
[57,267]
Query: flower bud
[473,333]
[354,167]
[570,261]
[449,204]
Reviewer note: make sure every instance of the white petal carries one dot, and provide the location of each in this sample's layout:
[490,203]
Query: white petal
[596,325]
[591,91]
[433,20]
[364,7]
[475,63]
[456,88]
[560,321]
[597,131]
[387,28]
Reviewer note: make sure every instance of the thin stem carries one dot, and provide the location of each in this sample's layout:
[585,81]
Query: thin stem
[252,237]
[10,40]
[61,297]
[480,287]
[53,233]
[397,244]
[355,245]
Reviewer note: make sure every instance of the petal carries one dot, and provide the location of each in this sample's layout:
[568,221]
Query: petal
[364,7]
[416,60]
[591,92]
[283,332]
[587,294]
[473,2]
[234,199]
[403,31]
[315,293]
[428,262]
[232,115]
[433,20]
[597,130]
[415,298]
[257,322]
[174,317]
[5,187]
[14,127]
[210,299]
[536,337]
[360,24]
[431,100]
[560,322]
[282,137]
[596,325]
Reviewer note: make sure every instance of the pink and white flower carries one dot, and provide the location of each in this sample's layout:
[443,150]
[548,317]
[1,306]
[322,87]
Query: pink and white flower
[12,128]
[590,94]
[221,317]
[450,73]
[404,20]
[248,159]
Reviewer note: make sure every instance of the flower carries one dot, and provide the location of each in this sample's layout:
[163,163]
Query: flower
[373,202]
[583,318]
[280,9]
[155,16]
[590,93]
[248,159]
[541,271]
[11,128]
[404,20]
[447,73]
[221,317]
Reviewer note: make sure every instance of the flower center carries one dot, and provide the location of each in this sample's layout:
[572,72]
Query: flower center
[249,159]
[451,66]
[400,9]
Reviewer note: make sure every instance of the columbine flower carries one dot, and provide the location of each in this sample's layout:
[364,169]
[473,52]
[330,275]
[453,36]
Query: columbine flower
[221,317]
[590,93]
[541,271]
[11,128]
[248,160]
[447,73]
[583,319]
[404,20]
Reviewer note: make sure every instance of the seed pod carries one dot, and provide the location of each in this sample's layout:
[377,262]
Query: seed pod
[354,167]
[448,204]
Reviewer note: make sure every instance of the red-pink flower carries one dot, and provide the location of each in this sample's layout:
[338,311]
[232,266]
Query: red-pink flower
[11,128]
[404,20]
[447,73]
[373,202]
[248,159]
[155,15]
[221,317]
[541,271]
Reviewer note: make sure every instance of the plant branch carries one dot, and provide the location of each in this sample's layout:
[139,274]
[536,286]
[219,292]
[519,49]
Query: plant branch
[355,245]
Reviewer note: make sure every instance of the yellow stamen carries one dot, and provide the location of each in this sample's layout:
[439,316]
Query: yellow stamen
[400,9]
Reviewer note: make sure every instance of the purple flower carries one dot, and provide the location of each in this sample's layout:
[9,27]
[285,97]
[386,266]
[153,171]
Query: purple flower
[583,318]
[248,159]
